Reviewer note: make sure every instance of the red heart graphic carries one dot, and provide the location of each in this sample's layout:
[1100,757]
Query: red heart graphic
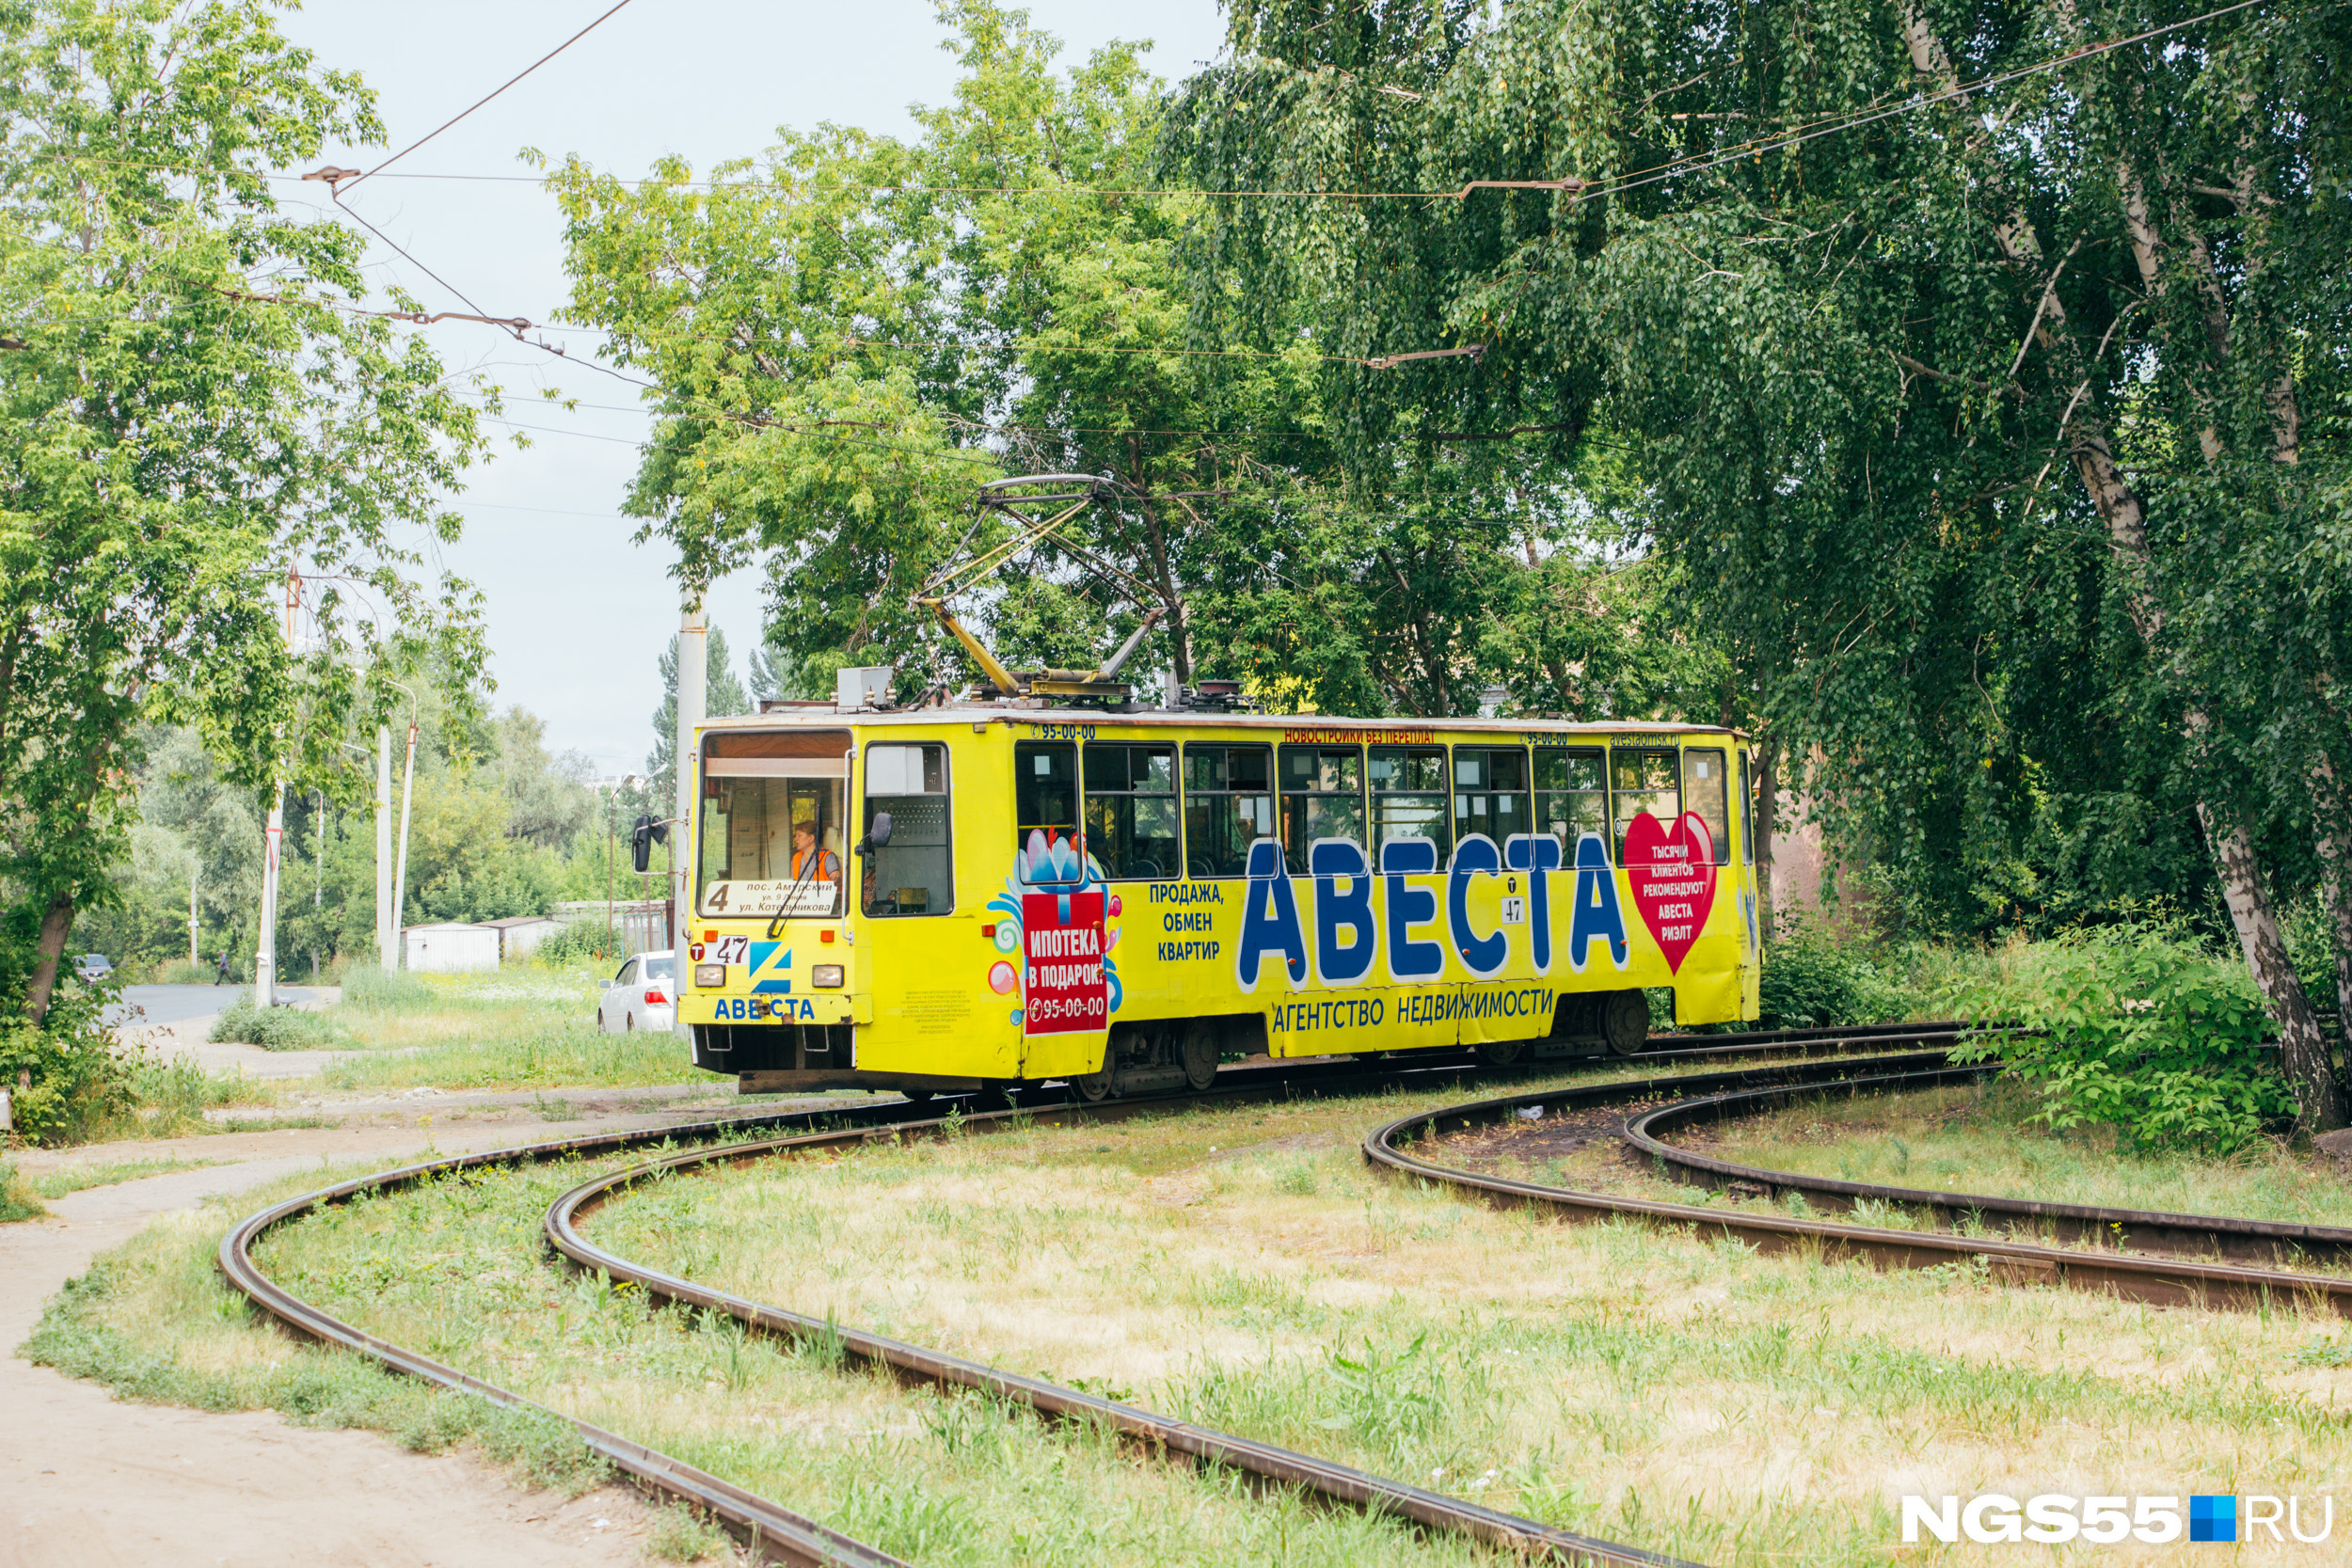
[1673,872]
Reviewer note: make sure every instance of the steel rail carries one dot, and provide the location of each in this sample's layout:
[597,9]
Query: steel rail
[2163,1281]
[2213,1235]
[771,1529]
[778,1532]
[1432,1511]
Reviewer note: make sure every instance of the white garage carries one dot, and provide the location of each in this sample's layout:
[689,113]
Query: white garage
[450,947]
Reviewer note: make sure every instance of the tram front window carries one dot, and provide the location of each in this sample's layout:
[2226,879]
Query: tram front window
[770,845]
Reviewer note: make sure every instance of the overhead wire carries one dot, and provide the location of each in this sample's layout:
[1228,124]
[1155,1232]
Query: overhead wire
[479,102]
[1576,189]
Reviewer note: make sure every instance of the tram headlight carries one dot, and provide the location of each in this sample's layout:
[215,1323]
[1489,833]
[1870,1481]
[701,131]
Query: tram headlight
[825,976]
[710,976]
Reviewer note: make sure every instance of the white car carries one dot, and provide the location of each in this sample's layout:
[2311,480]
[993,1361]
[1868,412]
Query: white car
[644,995]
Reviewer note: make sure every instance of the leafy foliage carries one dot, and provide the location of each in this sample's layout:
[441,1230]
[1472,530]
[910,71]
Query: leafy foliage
[1812,980]
[275,1028]
[191,403]
[2136,1027]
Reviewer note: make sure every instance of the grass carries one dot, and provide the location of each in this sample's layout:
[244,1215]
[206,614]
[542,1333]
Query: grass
[74,1178]
[455,1269]
[524,1028]
[18,1200]
[1243,1269]
[1977,1139]
[275,1028]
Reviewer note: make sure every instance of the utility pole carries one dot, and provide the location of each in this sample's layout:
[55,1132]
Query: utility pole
[400,877]
[266,957]
[384,928]
[691,671]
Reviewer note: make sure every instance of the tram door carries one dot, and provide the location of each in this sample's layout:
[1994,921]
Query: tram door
[920,945]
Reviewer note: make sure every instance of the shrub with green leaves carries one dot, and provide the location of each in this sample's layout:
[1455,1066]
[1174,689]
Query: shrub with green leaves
[2139,1029]
[68,1074]
[18,1201]
[582,942]
[275,1028]
[1811,980]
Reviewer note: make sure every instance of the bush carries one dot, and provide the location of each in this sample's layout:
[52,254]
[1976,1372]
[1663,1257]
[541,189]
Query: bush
[384,990]
[70,1077]
[2137,1027]
[582,942]
[180,972]
[18,1201]
[1812,981]
[275,1028]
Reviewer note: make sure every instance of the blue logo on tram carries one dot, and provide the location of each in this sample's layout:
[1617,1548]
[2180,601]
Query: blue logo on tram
[1421,925]
[769,960]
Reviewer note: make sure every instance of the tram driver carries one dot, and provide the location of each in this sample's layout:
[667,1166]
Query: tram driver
[817,865]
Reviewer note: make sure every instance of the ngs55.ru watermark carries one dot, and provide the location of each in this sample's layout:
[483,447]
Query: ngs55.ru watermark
[2052,1520]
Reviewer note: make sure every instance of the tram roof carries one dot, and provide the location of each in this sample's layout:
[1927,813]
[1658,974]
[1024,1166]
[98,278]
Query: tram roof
[826,715]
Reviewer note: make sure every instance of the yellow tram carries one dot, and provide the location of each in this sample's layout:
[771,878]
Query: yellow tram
[983,896]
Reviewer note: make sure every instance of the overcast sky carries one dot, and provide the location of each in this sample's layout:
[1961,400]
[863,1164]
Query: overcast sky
[578,615]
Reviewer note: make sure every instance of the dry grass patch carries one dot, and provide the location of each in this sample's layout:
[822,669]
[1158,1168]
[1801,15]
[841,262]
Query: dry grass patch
[1243,1270]
[1977,1138]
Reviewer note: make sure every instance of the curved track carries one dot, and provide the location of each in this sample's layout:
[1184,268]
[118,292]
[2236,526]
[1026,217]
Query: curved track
[779,1532]
[782,1534]
[2092,1264]
[2205,1235]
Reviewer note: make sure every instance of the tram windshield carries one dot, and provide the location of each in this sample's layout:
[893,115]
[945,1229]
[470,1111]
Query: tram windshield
[771,825]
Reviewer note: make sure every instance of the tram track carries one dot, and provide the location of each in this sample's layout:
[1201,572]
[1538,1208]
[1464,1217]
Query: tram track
[783,1534]
[2194,1273]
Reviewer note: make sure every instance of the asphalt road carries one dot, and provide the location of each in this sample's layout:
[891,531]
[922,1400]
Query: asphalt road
[178,1003]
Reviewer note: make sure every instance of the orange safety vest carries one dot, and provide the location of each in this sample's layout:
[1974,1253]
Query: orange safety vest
[828,865]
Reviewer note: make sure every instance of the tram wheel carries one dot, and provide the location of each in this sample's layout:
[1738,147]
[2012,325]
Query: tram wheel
[1199,1056]
[1501,1053]
[1096,1086]
[919,1097]
[1624,1021]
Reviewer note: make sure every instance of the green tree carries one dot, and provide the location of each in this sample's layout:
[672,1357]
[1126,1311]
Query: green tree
[191,404]
[1981,426]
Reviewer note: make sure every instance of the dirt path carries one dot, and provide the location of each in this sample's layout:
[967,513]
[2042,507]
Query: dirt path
[87,1482]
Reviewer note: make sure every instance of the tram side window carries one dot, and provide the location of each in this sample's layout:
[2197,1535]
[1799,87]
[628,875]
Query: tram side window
[1747,810]
[1046,840]
[1323,796]
[1229,805]
[1571,797]
[912,873]
[1643,781]
[1408,798]
[1131,810]
[1707,790]
[1490,791]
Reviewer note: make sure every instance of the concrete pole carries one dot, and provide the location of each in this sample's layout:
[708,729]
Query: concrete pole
[273,840]
[385,926]
[400,877]
[692,672]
